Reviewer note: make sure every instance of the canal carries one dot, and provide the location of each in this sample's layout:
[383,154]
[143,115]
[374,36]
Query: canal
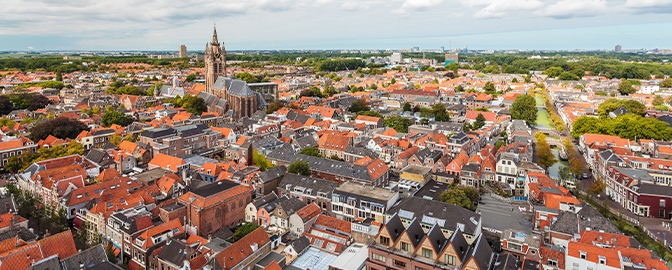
[544,121]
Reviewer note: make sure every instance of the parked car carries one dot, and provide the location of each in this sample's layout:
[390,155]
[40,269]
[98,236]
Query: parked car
[584,176]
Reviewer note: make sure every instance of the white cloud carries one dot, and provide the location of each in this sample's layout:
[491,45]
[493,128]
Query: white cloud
[30,48]
[499,8]
[355,5]
[573,8]
[653,6]
[415,5]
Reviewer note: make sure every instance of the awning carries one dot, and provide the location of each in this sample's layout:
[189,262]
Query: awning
[132,265]
[116,251]
[77,222]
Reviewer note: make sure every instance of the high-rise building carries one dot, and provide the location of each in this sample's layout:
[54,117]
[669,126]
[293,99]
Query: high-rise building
[396,58]
[183,51]
[618,48]
[452,58]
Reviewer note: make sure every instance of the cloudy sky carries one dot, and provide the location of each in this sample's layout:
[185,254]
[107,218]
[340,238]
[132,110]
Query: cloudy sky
[334,24]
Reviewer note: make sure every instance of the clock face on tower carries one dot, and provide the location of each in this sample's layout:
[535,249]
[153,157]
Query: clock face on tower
[217,55]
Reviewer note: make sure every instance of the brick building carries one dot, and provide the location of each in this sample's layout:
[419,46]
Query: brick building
[215,206]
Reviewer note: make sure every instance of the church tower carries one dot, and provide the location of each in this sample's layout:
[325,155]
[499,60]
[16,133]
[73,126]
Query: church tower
[215,63]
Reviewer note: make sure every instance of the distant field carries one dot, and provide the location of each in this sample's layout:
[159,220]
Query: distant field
[13,55]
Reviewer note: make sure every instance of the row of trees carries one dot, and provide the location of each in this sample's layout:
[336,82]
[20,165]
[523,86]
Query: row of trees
[20,100]
[629,126]
[21,162]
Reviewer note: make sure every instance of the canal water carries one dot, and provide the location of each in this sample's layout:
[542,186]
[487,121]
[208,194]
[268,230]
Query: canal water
[544,121]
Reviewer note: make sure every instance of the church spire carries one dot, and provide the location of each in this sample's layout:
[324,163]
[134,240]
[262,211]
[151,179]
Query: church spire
[214,37]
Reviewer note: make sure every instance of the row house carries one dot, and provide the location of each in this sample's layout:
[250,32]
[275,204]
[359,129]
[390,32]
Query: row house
[282,212]
[252,210]
[352,201]
[78,198]
[16,147]
[309,190]
[146,241]
[637,191]
[329,234]
[96,138]
[449,216]
[607,252]
[399,246]
[121,225]
[180,141]
[459,143]
[52,184]
[26,179]
[333,145]
[301,220]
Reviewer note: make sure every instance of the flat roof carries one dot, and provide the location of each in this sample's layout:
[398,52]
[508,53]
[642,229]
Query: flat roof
[352,258]
[366,190]
[414,169]
[151,175]
[314,259]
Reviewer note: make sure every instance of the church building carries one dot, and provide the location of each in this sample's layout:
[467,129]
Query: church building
[224,95]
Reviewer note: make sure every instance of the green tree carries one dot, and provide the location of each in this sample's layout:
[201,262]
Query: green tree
[311,151]
[467,127]
[274,107]
[489,88]
[459,89]
[544,152]
[244,230]
[480,122]
[658,100]
[61,127]
[116,139]
[565,173]
[554,71]
[398,123]
[191,77]
[6,122]
[6,105]
[625,88]
[666,83]
[115,117]
[359,105]
[407,106]
[499,144]
[109,251]
[249,78]
[299,167]
[440,113]
[195,105]
[59,76]
[370,113]
[260,161]
[524,108]
[566,76]
[458,197]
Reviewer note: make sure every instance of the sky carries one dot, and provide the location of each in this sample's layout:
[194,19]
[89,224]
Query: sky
[150,25]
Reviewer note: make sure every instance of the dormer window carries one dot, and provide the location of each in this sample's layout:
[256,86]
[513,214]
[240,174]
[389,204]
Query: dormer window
[582,255]
[603,260]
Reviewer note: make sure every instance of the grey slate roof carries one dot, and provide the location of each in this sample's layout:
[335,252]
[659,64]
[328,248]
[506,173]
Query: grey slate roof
[340,168]
[264,200]
[174,252]
[96,155]
[292,205]
[92,258]
[306,141]
[415,232]
[394,227]
[272,173]
[312,185]
[587,217]
[234,87]
[301,244]
[429,211]
[49,263]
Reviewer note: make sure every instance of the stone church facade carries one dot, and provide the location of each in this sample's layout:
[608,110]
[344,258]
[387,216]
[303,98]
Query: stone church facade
[224,95]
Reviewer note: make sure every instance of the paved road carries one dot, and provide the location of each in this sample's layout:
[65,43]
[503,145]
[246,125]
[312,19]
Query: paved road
[501,215]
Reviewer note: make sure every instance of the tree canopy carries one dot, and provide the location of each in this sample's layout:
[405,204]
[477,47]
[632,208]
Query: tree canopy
[299,167]
[612,104]
[311,151]
[460,196]
[628,126]
[249,78]
[359,105]
[524,108]
[115,117]
[61,127]
[398,123]
[544,152]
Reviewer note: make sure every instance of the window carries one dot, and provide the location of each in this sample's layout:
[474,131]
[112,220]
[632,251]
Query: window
[662,203]
[405,246]
[582,255]
[553,262]
[377,257]
[451,260]
[399,264]
[603,260]
[575,266]
[384,240]
[427,253]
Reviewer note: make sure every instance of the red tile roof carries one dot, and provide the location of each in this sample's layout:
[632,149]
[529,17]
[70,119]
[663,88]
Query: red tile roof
[241,249]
